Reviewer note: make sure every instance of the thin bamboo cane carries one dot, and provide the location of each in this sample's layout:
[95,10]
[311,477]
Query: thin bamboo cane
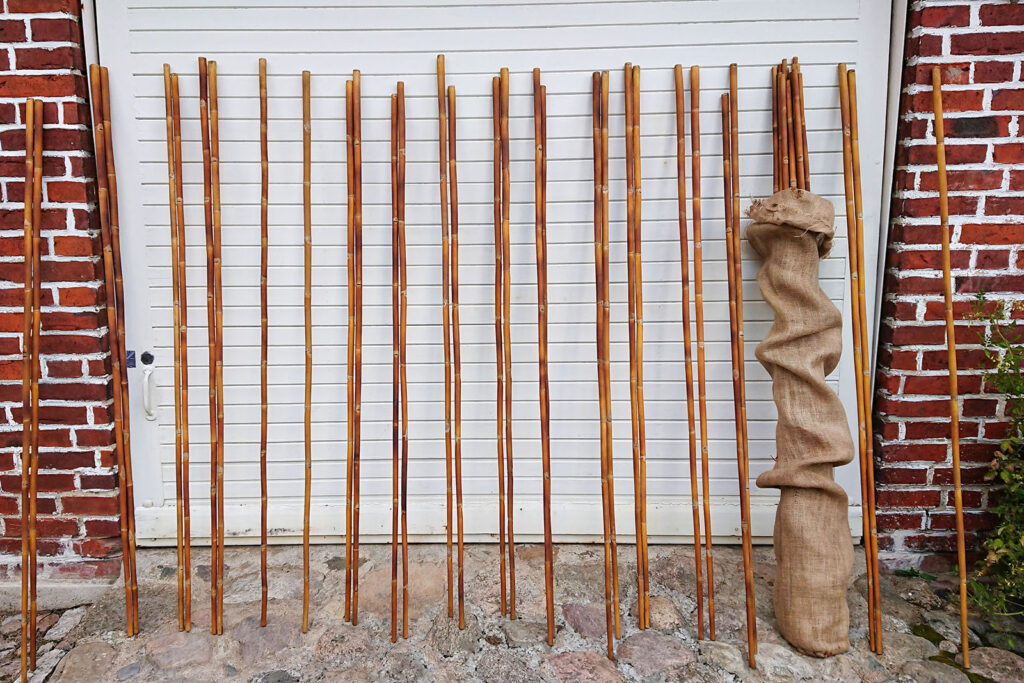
[698,304]
[351,347]
[852,239]
[211,323]
[307,298]
[606,352]
[498,349]
[404,307]
[631,321]
[442,137]
[111,315]
[115,235]
[775,129]
[748,571]
[540,244]
[219,299]
[264,332]
[395,389]
[179,227]
[357,148]
[791,145]
[798,124]
[866,361]
[33,483]
[639,283]
[506,285]
[803,123]
[784,161]
[27,359]
[599,334]
[453,180]
[684,263]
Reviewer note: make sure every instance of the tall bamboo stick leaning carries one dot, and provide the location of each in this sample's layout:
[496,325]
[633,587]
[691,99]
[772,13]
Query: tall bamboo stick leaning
[456,343]
[954,407]
[33,484]
[684,262]
[506,319]
[442,137]
[498,349]
[27,359]
[395,388]
[698,306]
[264,331]
[863,409]
[403,384]
[351,345]
[357,393]
[307,298]
[219,298]
[540,242]
[211,323]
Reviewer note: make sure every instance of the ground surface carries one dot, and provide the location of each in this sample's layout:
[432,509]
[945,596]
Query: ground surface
[87,643]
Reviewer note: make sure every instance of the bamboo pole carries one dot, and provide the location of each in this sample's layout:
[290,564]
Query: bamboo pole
[211,323]
[785,179]
[684,261]
[748,571]
[27,359]
[540,244]
[179,227]
[775,129]
[403,311]
[506,317]
[498,349]
[698,305]
[456,343]
[866,361]
[798,125]
[599,336]
[357,134]
[799,80]
[395,389]
[115,235]
[307,298]
[219,299]
[853,238]
[606,351]
[351,347]
[264,332]
[33,484]
[442,133]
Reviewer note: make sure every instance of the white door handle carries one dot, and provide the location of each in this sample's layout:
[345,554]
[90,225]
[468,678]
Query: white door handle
[147,393]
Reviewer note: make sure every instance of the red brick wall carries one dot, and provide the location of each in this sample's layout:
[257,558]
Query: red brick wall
[979,46]
[41,56]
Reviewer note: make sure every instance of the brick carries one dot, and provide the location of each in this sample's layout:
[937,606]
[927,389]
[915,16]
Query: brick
[75,246]
[43,85]
[1016,183]
[56,30]
[979,407]
[1001,14]
[965,359]
[980,43]
[992,233]
[975,521]
[64,321]
[993,72]
[963,180]
[73,392]
[952,15]
[907,452]
[939,430]
[929,259]
[32,58]
[927,207]
[108,569]
[75,192]
[901,475]
[943,476]
[915,335]
[64,369]
[94,437]
[936,542]
[94,505]
[972,126]
[1008,99]
[992,259]
[66,460]
[12,31]
[98,547]
[105,482]
[78,296]
[1004,206]
[891,521]
[102,528]
[930,46]
[952,100]
[989,284]
[905,498]
[955,154]
[939,384]
[69,271]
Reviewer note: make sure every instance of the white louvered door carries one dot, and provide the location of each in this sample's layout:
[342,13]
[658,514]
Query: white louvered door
[399,39]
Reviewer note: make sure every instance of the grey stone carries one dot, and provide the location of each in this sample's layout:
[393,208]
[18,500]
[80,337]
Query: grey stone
[933,672]
[918,591]
[87,662]
[403,665]
[11,625]
[524,633]
[343,646]
[45,621]
[1006,641]
[584,667]
[948,626]
[65,623]
[778,662]
[276,676]
[1007,624]
[650,652]
[180,649]
[129,671]
[724,656]
[898,648]
[949,647]
[853,667]
[426,589]
[448,639]
[664,615]
[998,665]
[230,671]
[587,620]
[258,642]
[507,667]
[45,666]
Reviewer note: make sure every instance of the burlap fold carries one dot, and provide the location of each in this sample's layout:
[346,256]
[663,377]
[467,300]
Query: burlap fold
[792,230]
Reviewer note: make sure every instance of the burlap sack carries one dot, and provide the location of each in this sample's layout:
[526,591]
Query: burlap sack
[792,230]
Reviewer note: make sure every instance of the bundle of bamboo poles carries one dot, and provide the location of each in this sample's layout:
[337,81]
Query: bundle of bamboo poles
[399,401]
[450,325]
[264,333]
[33,190]
[791,167]
[947,291]
[634,261]
[355,336]
[734,270]
[106,177]
[210,133]
[861,350]
[611,564]
[540,170]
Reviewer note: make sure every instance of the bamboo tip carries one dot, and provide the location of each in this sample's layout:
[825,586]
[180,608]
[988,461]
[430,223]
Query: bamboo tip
[202,62]
[936,76]
[263,62]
